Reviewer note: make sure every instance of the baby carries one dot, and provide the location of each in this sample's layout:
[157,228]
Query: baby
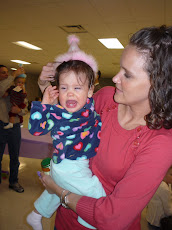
[75,128]
[17,93]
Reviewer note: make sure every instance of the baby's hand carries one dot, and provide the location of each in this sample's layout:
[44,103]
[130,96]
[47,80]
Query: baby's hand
[50,95]
[47,74]
[23,88]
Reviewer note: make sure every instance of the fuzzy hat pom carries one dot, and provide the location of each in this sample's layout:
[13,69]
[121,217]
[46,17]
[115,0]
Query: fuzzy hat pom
[74,53]
[73,39]
[73,42]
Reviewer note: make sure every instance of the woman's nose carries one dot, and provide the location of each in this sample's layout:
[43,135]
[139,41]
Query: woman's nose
[116,78]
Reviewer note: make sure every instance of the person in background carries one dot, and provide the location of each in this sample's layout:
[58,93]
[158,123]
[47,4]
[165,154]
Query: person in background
[12,136]
[160,205]
[17,93]
[135,146]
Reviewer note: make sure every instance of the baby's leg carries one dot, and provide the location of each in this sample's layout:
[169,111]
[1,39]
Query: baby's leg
[45,206]
[34,219]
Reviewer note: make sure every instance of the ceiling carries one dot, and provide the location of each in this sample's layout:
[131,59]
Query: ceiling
[43,23]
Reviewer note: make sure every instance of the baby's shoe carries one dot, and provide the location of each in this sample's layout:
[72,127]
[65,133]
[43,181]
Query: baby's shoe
[9,126]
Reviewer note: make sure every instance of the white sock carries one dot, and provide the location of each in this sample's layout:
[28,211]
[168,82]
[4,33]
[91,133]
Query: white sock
[34,220]
[9,126]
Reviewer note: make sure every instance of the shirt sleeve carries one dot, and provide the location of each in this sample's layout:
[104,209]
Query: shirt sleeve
[103,97]
[40,122]
[129,197]
[5,84]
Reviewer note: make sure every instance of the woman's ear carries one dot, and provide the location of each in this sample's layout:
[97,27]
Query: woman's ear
[90,92]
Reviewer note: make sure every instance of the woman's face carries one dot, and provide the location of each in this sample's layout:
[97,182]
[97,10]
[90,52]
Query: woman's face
[132,81]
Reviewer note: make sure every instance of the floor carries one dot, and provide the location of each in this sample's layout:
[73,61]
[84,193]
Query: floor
[15,207]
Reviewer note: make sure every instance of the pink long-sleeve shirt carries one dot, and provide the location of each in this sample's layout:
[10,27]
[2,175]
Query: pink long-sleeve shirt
[130,165]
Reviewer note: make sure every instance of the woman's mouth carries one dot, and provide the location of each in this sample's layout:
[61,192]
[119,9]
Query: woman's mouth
[118,90]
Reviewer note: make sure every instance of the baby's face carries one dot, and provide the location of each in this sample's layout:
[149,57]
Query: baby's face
[73,91]
[19,81]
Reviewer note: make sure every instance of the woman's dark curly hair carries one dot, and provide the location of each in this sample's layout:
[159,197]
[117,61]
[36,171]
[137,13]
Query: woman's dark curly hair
[155,43]
[77,67]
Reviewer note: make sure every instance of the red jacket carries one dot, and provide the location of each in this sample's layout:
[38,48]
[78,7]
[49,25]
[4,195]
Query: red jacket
[130,165]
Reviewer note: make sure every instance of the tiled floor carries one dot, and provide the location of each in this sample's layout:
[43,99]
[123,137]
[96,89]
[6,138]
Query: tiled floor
[14,207]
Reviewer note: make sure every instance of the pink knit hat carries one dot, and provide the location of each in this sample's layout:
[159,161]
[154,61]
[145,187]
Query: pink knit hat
[74,53]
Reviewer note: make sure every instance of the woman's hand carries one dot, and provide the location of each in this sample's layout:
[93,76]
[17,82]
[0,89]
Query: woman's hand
[50,95]
[48,183]
[53,188]
[47,74]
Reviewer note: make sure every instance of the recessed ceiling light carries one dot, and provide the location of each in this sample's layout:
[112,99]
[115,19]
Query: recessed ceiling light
[13,68]
[111,43]
[21,62]
[27,45]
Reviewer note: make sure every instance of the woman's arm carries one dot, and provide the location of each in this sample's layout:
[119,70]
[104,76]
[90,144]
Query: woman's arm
[46,76]
[52,187]
[5,94]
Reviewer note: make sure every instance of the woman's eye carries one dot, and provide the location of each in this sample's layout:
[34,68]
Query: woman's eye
[126,75]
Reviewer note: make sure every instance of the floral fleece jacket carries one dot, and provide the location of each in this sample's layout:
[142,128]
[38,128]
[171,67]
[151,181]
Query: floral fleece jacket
[74,135]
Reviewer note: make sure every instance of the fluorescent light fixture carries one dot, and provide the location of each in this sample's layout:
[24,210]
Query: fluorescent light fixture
[27,45]
[111,43]
[21,62]
[13,68]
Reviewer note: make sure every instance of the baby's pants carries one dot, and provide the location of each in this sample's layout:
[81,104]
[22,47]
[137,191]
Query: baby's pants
[72,175]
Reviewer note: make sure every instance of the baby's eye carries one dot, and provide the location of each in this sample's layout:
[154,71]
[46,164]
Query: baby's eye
[77,87]
[62,87]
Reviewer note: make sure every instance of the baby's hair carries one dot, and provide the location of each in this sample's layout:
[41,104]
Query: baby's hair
[18,77]
[77,67]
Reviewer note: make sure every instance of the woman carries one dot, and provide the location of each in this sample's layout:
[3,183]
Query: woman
[135,148]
